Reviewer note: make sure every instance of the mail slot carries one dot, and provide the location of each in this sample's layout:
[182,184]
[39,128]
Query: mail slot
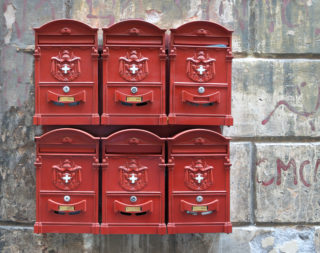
[133,183]
[200,74]
[67,167]
[199,184]
[66,74]
[134,59]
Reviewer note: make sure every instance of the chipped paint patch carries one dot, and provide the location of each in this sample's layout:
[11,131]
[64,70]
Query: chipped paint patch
[10,18]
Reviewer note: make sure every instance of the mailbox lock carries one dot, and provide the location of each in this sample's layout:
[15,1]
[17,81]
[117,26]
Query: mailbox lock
[199,199]
[201,90]
[66,89]
[134,90]
[66,198]
[133,199]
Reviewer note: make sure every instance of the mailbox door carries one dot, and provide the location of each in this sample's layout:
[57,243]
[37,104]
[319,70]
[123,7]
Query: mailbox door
[134,61]
[67,182]
[133,183]
[66,74]
[200,74]
[199,182]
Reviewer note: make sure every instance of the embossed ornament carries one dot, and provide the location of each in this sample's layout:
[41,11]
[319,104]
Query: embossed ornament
[67,175]
[200,68]
[132,176]
[65,67]
[133,68]
[199,175]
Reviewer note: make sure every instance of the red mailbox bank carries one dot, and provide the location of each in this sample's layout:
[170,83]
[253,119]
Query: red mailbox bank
[128,186]
[134,59]
[67,182]
[200,74]
[133,176]
[66,74]
[199,182]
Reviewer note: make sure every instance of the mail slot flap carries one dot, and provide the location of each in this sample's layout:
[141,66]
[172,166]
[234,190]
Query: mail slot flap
[67,140]
[198,141]
[133,32]
[201,33]
[66,31]
[133,141]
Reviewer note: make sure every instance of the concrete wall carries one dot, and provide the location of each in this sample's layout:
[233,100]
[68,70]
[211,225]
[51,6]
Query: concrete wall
[275,177]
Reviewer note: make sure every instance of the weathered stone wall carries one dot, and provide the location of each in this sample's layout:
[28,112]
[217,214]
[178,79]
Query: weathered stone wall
[275,177]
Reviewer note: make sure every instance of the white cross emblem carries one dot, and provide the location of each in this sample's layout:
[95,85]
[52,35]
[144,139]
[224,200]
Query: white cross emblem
[133,178]
[133,68]
[65,68]
[199,178]
[66,178]
[201,70]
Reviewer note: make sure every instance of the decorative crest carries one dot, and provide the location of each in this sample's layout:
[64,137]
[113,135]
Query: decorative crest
[66,175]
[200,68]
[199,175]
[133,68]
[65,67]
[132,176]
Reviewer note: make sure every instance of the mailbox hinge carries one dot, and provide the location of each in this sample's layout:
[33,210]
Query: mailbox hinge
[163,55]
[105,163]
[105,52]
[227,164]
[94,53]
[170,163]
[229,55]
[37,53]
[95,163]
[38,162]
[173,52]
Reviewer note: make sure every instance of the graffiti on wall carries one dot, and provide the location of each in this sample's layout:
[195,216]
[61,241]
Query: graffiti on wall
[297,169]
[308,115]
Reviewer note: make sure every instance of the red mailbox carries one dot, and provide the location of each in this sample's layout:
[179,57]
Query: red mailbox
[200,74]
[66,74]
[133,179]
[199,182]
[67,182]
[134,61]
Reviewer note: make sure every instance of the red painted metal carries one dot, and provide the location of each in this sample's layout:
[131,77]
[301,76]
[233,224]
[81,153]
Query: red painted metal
[200,74]
[66,74]
[133,183]
[134,60]
[67,166]
[199,187]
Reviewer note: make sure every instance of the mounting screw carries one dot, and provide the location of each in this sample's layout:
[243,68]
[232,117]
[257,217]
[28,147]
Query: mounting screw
[66,89]
[199,199]
[66,198]
[201,90]
[133,199]
[134,90]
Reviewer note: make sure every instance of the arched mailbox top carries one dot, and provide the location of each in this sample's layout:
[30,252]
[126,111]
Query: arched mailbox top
[66,31]
[201,33]
[133,32]
[201,28]
[65,27]
[66,137]
[133,137]
[198,137]
[133,141]
[134,27]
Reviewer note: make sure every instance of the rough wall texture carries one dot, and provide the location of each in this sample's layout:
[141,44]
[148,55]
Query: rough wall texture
[275,179]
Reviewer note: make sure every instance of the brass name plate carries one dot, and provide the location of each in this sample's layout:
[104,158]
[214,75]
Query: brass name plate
[66,208]
[133,209]
[199,208]
[134,99]
[66,99]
